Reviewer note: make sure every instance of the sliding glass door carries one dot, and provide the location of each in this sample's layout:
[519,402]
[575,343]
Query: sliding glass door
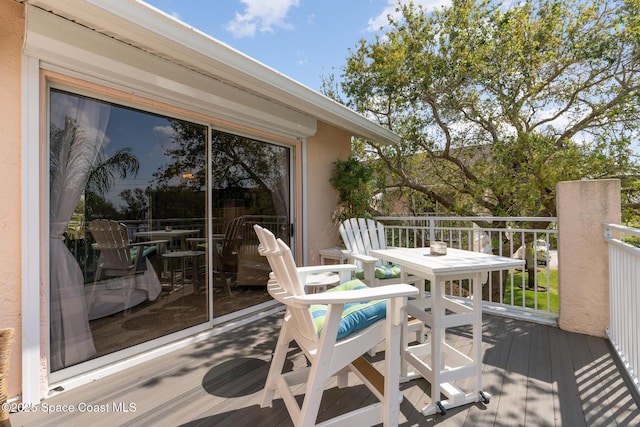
[128,210]
[251,184]
[151,220]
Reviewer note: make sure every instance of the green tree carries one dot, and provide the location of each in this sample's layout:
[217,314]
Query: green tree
[354,182]
[496,103]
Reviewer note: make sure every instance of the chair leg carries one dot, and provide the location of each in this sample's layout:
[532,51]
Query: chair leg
[343,377]
[393,341]
[277,364]
[319,372]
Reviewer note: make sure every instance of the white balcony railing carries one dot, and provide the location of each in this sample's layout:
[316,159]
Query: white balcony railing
[624,296]
[530,294]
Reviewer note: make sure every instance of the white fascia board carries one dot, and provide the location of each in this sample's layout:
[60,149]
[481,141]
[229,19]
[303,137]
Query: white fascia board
[76,50]
[144,26]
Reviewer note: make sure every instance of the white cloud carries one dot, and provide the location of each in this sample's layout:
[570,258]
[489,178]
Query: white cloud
[382,19]
[163,138]
[262,16]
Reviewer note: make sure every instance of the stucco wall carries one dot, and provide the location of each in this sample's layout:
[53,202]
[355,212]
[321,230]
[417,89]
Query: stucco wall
[11,37]
[323,149]
[583,206]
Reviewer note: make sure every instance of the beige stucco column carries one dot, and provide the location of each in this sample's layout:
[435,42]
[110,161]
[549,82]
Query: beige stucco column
[323,149]
[11,40]
[583,206]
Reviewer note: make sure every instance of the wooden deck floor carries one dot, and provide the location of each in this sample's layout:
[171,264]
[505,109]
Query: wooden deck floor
[537,376]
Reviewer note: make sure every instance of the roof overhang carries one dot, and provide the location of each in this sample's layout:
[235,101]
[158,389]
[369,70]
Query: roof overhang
[142,26]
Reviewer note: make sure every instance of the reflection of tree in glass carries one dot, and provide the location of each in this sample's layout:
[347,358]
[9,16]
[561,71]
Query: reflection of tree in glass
[241,162]
[187,156]
[102,177]
[236,161]
[177,191]
[136,203]
[103,172]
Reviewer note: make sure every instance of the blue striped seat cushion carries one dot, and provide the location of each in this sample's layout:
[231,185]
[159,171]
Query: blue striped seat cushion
[355,316]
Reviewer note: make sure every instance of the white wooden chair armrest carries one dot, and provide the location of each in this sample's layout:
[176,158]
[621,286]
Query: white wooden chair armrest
[366,259]
[336,268]
[368,265]
[357,295]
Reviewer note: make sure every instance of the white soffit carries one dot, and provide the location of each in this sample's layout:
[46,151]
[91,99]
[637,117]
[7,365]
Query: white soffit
[145,27]
[76,50]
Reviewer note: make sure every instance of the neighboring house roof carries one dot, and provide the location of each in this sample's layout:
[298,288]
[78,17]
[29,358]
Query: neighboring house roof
[147,28]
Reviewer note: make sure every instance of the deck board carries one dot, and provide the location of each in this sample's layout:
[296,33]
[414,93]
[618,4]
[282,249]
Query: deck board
[539,408]
[570,406]
[513,396]
[537,375]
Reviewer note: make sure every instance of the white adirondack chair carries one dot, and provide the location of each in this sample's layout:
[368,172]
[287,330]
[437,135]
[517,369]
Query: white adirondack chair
[360,235]
[328,355]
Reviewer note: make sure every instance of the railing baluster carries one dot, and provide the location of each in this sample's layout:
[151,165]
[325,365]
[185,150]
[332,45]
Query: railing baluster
[624,298]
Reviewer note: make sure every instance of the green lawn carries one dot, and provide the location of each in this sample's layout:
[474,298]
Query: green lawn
[529,294]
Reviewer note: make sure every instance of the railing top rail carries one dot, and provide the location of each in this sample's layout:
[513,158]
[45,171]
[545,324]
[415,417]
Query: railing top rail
[608,227]
[469,218]
[472,229]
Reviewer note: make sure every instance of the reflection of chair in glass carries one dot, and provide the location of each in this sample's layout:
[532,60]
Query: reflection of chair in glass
[239,252]
[124,276]
[334,329]
[231,245]
[221,277]
[112,240]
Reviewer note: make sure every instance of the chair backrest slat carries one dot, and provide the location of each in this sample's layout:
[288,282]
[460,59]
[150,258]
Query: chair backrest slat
[284,274]
[360,235]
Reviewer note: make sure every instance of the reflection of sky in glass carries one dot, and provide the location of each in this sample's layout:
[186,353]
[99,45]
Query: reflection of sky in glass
[243,168]
[147,135]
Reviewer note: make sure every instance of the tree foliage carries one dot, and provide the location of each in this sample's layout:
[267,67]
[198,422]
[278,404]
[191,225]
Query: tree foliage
[354,182]
[496,103]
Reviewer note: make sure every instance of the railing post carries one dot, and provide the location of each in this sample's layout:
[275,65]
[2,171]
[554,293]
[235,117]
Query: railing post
[432,229]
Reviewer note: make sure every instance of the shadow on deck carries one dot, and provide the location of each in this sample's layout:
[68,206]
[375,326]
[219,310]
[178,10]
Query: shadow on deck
[537,375]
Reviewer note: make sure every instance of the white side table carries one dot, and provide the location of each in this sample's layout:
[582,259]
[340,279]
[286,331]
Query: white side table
[320,282]
[337,254]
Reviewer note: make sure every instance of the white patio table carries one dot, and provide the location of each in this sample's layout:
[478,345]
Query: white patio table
[440,312]
[167,234]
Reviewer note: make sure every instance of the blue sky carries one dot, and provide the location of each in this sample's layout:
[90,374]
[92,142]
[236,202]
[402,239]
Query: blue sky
[303,39]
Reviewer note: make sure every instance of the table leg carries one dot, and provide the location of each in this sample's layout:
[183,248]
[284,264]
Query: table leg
[195,275]
[477,334]
[437,338]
